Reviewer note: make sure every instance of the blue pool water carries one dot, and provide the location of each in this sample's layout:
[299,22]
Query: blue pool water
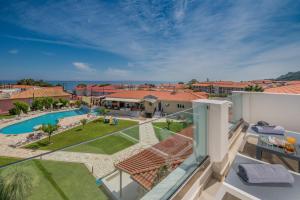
[28,125]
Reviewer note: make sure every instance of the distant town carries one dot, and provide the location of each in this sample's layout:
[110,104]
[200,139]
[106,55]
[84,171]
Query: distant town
[146,100]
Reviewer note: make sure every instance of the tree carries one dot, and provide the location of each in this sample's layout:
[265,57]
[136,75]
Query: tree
[37,104]
[193,81]
[16,185]
[33,82]
[22,106]
[47,102]
[64,102]
[49,129]
[78,103]
[255,88]
[81,85]
[169,123]
[83,122]
[54,104]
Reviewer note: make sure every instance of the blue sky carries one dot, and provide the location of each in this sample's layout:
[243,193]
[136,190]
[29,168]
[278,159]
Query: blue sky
[149,40]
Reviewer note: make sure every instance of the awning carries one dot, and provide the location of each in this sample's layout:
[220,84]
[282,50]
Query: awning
[124,100]
[151,100]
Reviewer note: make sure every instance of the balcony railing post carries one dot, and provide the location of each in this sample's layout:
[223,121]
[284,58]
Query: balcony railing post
[212,132]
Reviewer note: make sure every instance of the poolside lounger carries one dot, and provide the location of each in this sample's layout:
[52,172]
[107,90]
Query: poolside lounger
[236,186]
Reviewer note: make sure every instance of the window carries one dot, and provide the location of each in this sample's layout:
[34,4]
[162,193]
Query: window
[180,106]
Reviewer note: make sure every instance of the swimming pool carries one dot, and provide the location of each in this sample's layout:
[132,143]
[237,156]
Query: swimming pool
[50,118]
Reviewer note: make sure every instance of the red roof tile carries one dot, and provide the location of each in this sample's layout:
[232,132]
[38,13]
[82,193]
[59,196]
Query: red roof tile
[230,84]
[161,95]
[143,166]
[41,92]
[288,89]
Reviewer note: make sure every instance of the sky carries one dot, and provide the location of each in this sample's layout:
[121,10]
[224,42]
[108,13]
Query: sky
[159,40]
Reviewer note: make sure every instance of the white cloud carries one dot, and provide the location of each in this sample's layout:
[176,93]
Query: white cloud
[13,51]
[115,73]
[83,66]
[175,40]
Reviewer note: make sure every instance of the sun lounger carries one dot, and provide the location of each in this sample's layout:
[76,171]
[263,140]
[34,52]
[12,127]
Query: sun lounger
[236,186]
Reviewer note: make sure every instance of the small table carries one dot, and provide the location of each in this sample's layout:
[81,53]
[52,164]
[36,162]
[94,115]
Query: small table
[263,145]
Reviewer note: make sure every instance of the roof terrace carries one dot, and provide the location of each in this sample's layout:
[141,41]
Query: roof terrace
[192,154]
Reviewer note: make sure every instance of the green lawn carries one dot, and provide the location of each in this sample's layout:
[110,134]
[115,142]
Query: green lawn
[6,160]
[79,134]
[6,116]
[107,145]
[162,132]
[60,181]
[133,132]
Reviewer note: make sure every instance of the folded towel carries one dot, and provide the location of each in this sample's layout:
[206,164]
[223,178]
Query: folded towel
[264,173]
[275,130]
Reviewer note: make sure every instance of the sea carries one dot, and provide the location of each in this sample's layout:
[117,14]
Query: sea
[70,85]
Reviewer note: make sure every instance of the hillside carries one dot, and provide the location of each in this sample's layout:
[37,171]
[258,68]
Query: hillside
[291,76]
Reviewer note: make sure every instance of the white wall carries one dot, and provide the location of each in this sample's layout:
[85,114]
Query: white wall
[278,109]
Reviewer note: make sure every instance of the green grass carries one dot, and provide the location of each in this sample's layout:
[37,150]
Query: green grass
[162,132]
[107,145]
[133,132]
[6,116]
[79,134]
[6,160]
[60,180]
[174,126]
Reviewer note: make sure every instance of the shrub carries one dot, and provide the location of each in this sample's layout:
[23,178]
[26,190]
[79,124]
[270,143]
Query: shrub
[47,102]
[37,104]
[22,106]
[64,102]
[78,103]
[14,111]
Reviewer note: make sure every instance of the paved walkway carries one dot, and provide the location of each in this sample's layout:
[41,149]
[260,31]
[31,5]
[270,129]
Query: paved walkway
[147,134]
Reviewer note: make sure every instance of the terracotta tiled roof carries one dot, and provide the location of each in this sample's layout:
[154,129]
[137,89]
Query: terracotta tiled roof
[23,86]
[230,84]
[41,92]
[292,82]
[143,166]
[288,89]
[161,95]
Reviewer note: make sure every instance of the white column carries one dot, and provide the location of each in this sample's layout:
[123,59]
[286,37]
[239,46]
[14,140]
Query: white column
[216,128]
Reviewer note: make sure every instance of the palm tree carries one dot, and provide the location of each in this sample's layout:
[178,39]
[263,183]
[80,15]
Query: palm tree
[16,185]
[49,129]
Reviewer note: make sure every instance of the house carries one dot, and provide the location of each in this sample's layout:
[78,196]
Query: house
[290,88]
[163,102]
[27,95]
[220,87]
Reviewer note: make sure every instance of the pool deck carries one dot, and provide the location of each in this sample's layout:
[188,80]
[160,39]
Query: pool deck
[30,116]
